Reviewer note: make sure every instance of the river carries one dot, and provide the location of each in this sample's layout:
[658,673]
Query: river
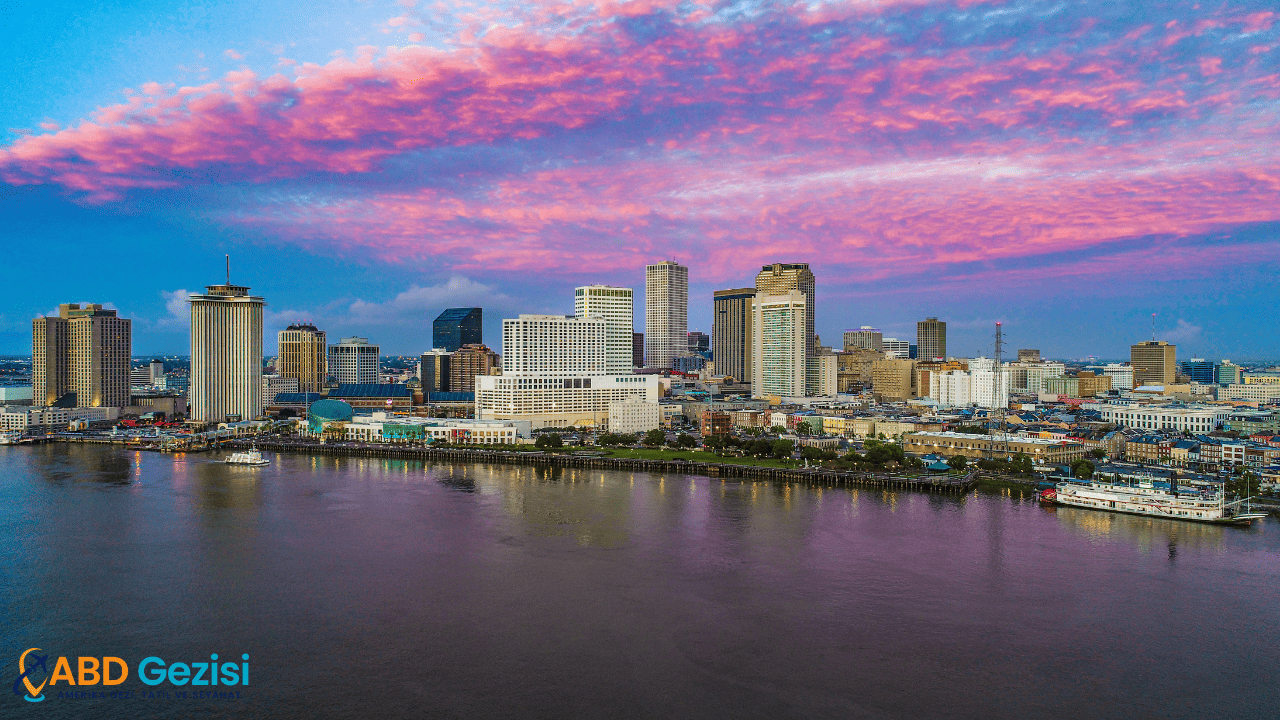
[387,588]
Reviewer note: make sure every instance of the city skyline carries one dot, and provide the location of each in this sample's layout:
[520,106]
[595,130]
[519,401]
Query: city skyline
[970,161]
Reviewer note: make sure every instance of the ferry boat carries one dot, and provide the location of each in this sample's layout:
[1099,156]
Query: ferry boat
[10,437]
[250,457]
[1206,505]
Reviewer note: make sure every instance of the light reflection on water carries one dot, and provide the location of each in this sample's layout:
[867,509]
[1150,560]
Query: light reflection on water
[490,590]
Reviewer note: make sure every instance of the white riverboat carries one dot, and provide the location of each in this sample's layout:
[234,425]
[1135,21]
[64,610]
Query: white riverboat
[1198,504]
[249,457]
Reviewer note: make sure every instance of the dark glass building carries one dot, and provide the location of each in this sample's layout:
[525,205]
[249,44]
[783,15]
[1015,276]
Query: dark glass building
[456,327]
[1199,370]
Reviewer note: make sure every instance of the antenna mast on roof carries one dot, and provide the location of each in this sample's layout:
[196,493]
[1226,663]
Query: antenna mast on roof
[996,387]
[1153,327]
[228,269]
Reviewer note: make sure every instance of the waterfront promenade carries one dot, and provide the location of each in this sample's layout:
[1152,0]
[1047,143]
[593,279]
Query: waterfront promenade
[922,482]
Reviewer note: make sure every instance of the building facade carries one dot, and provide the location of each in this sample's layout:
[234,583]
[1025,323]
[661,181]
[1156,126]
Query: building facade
[778,356]
[433,371]
[1045,451]
[666,317]
[554,345]
[226,355]
[931,339]
[559,401]
[637,349]
[1195,419]
[779,279]
[1154,363]
[83,350]
[354,361]
[731,342]
[634,416]
[892,379]
[615,306]
[303,354]
[864,338]
[1199,370]
[895,348]
[456,327]
[469,362]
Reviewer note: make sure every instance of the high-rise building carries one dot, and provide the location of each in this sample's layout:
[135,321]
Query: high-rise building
[1029,355]
[864,338]
[140,377]
[456,327]
[353,361]
[614,305]
[273,385]
[469,362]
[782,278]
[637,349]
[85,351]
[666,315]
[699,342]
[553,374]
[895,348]
[226,354]
[894,379]
[931,339]
[555,345]
[1154,363]
[303,354]
[1228,373]
[433,371]
[731,343]
[1199,370]
[1121,375]
[778,362]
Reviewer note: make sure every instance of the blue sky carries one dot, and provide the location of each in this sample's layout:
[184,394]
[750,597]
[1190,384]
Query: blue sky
[1066,169]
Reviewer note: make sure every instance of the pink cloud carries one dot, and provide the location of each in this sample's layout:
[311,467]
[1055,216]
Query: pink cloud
[233,54]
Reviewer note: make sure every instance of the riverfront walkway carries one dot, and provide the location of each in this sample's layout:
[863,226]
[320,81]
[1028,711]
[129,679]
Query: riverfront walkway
[814,476]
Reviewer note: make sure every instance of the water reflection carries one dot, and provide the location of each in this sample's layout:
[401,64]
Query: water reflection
[1148,533]
[61,463]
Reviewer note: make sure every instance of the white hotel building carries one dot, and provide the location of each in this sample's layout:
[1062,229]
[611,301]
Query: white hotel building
[554,374]
[778,359]
[1188,418]
[615,306]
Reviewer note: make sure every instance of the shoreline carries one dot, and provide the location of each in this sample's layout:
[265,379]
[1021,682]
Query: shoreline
[816,476]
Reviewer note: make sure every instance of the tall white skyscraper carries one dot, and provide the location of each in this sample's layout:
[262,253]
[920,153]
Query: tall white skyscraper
[556,346]
[353,361]
[226,354]
[666,315]
[779,337]
[615,306]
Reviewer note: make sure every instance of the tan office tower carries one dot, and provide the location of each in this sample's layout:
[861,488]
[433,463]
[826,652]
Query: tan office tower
[84,350]
[931,339]
[469,362]
[782,278]
[226,354]
[666,313]
[303,355]
[1154,363]
[778,364]
[614,305]
[731,333]
[864,338]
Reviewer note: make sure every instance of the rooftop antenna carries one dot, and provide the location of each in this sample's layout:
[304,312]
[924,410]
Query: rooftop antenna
[229,269]
[1153,327]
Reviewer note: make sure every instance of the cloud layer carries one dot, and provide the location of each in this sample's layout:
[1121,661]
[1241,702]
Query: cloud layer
[886,139]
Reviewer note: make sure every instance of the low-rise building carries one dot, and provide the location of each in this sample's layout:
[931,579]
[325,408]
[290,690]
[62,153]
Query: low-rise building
[1040,450]
[1182,418]
[24,418]
[634,416]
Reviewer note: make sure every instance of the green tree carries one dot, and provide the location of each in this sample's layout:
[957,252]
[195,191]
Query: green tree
[1022,464]
[654,438]
[685,440]
[1097,453]
[1082,469]
[777,430]
[549,441]
[958,462]
[782,448]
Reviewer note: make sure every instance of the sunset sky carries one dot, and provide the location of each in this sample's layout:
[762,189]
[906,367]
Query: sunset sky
[1068,168]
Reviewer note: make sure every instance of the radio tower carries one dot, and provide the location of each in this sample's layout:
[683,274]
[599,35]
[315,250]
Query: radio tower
[999,413]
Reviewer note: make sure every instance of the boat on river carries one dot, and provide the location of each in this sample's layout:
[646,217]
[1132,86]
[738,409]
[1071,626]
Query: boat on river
[1146,497]
[249,457]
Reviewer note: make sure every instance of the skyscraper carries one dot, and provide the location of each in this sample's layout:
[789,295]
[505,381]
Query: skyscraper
[864,338]
[456,327]
[226,354]
[637,349]
[84,350]
[1154,363]
[666,317]
[467,363]
[615,306]
[353,361]
[782,278]
[1199,370]
[433,371]
[931,339]
[778,364]
[699,342]
[303,355]
[731,333]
